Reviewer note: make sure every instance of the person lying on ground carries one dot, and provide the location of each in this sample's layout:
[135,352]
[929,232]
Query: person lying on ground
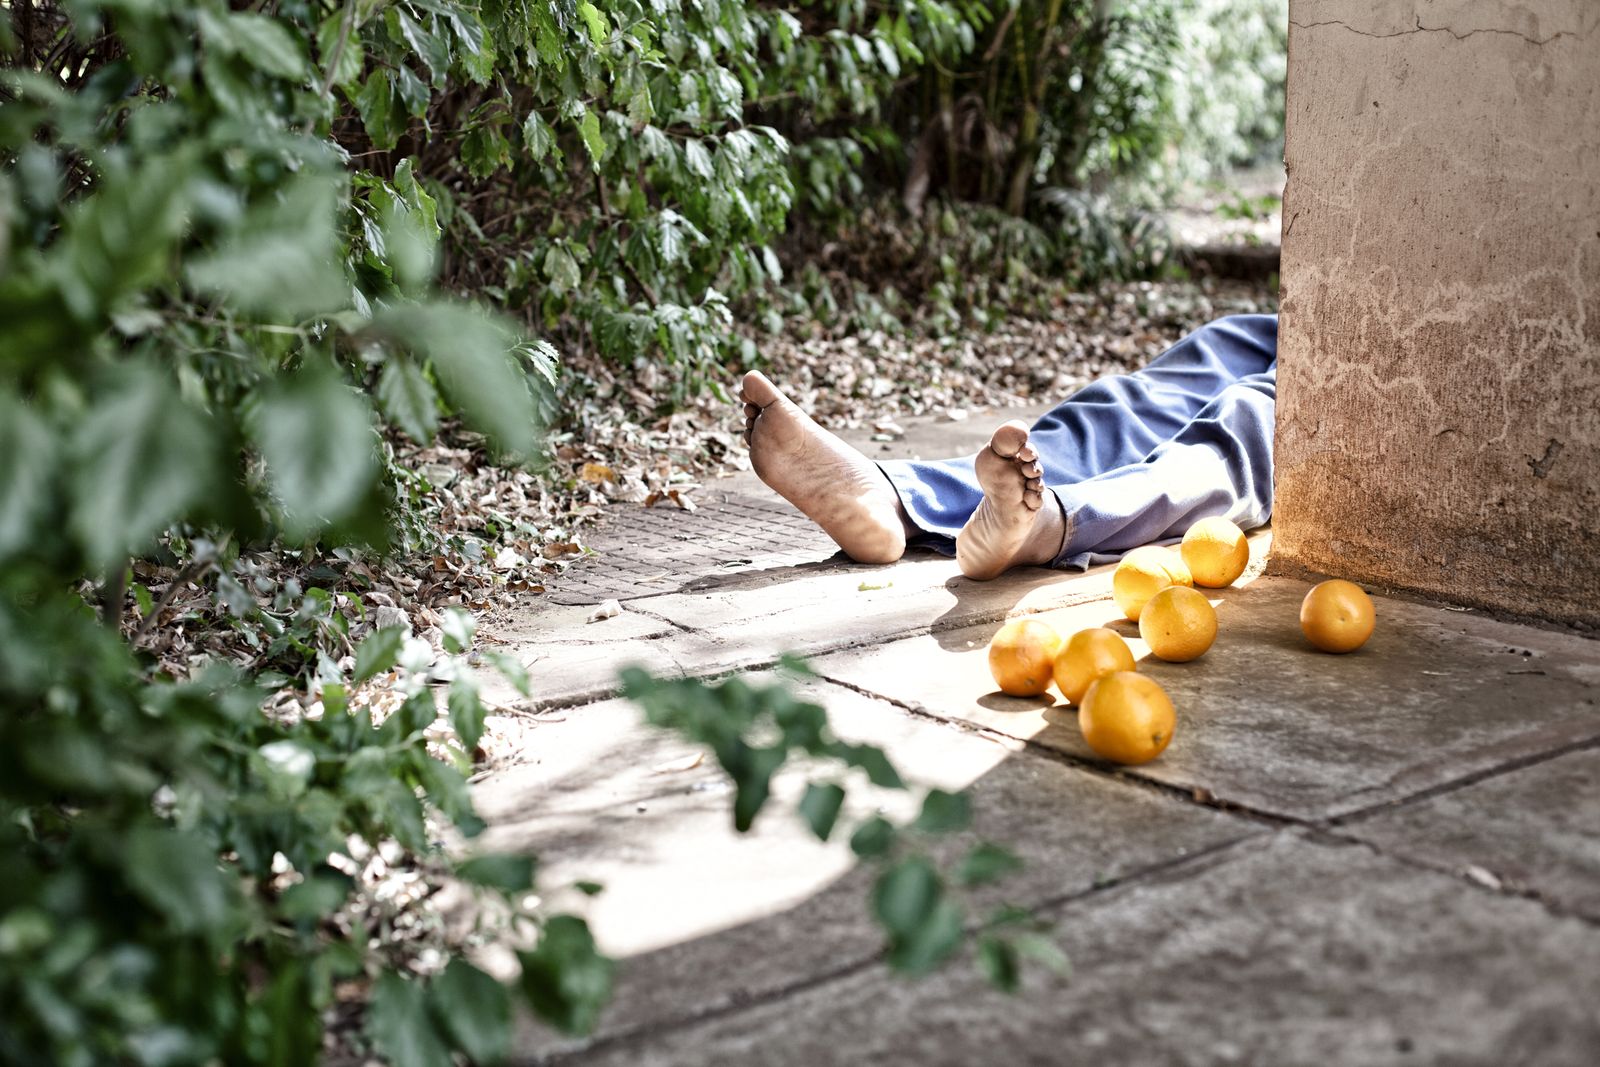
[1125,461]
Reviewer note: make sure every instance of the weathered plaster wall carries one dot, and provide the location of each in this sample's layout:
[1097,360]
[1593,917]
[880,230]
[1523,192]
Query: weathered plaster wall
[1438,419]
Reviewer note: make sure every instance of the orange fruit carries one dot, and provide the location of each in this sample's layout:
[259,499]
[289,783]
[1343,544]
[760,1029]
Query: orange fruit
[1178,624]
[1215,551]
[1088,656]
[1022,657]
[1337,616]
[1127,718]
[1143,573]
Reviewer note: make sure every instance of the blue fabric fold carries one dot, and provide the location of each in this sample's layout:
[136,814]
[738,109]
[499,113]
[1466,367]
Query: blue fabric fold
[1136,458]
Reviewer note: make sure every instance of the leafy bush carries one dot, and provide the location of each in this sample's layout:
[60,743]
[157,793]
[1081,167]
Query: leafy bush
[228,241]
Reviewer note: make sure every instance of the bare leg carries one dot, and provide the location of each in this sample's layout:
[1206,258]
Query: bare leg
[837,487]
[1018,522]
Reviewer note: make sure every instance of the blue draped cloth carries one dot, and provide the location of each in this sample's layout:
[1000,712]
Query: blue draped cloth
[1136,458]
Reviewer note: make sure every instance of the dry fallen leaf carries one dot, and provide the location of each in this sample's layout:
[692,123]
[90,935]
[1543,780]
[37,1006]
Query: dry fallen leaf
[609,609]
[683,763]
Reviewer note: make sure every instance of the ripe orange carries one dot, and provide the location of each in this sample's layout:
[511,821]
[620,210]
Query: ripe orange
[1215,551]
[1143,573]
[1022,657]
[1088,656]
[1178,624]
[1337,616]
[1126,717]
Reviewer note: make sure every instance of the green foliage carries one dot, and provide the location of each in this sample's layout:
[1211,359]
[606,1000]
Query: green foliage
[1228,92]
[756,731]
[200,296]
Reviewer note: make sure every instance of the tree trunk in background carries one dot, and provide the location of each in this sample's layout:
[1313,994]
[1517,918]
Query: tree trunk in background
[1033,78]
[1438,424]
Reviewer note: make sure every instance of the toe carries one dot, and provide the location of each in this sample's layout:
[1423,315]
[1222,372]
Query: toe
[1032,471]
[1032,499]
[758,390]
[1026,454]
[1009,439]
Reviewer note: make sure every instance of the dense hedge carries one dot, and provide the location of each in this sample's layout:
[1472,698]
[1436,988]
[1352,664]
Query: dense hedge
[240,244]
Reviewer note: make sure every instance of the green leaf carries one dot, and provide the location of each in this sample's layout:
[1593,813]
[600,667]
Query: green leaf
[696,159]
[501,870]
[409,241]
[593,140]
[471,355]
[400,812]
[27,456]
[263,42]
[458,630]
[1043,951]
[348,58]
[872,760]
[943,812]
[752,770]
[923,924]
[512,670]
[474,1010]
[997,959]
[820,807]
[466,712]
[287,767]
[379,651]
[986,863]
[477,53]
[316,436]
[485,150]
[380,111]
[873,839]
[539,137]
[446,789]
[595,19]
[641,109]
[143,459]
[561,269]
[434,50]
[408,399]
[319,896]
[415,197]
[120,238]
[285,258]
[906,895]
[177,874]
[400,1025]
[565,979]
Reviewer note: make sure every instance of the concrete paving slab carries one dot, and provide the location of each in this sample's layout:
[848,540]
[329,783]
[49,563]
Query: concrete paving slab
[568,656]
[1284,951]
[1266,722]
[749,618]
[706,919]
[1534,830]
[858,604]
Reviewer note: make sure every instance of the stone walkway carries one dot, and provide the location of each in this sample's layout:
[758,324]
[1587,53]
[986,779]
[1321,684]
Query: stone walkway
[1387,857]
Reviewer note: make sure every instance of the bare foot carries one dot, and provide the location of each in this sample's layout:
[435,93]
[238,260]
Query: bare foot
[1016,523]
[837,487]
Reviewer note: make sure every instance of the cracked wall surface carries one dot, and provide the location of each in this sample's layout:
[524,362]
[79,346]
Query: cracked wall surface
[1438,419]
